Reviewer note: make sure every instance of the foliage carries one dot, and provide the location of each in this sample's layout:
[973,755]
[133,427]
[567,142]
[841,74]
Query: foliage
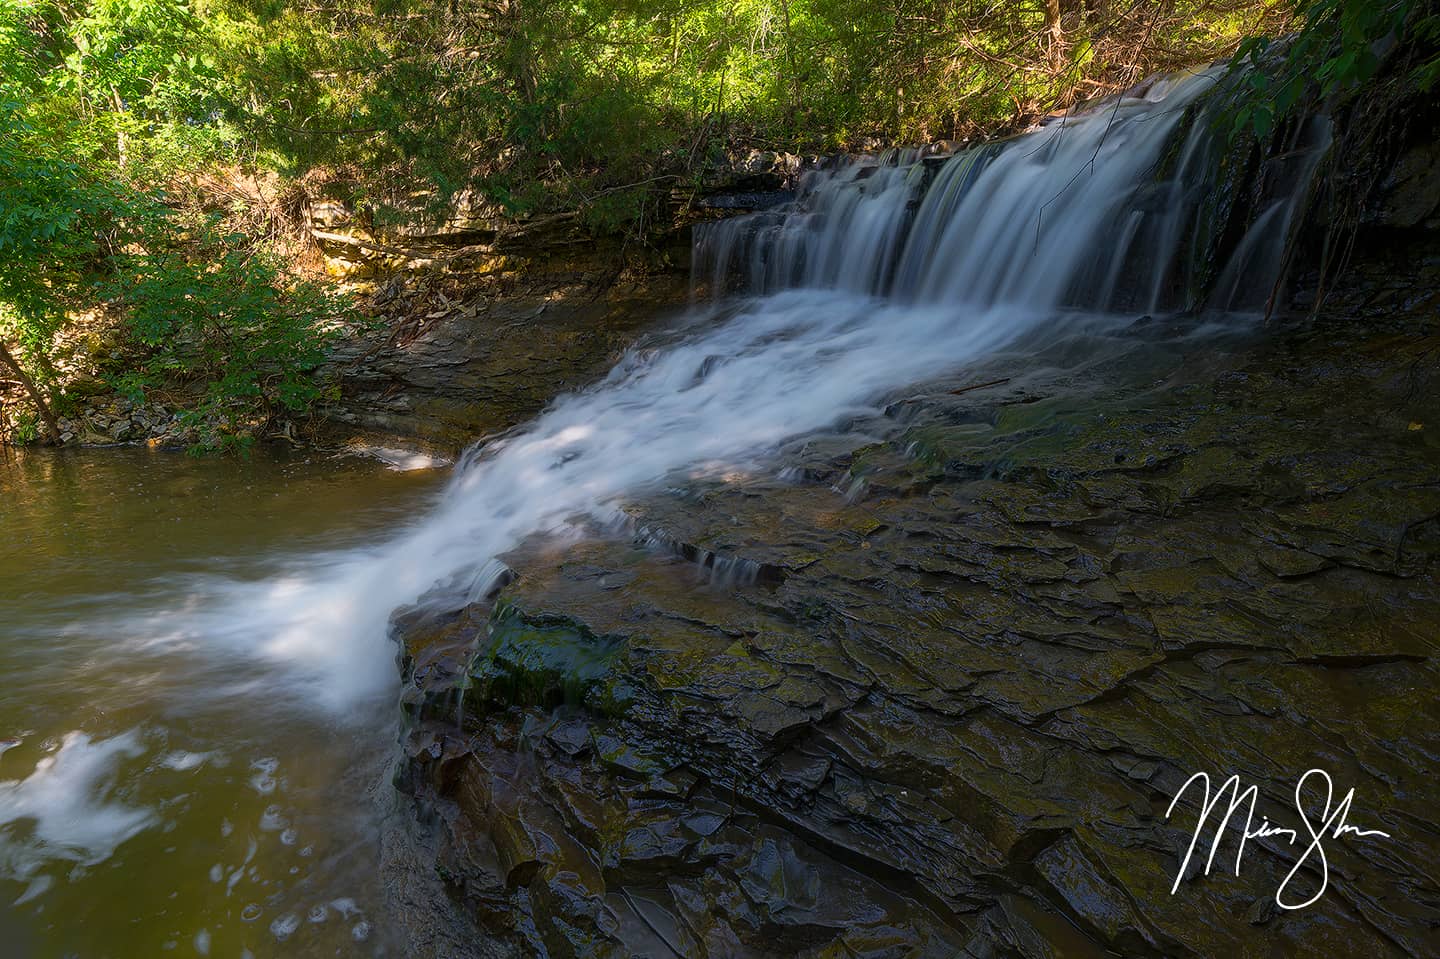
[217,312]
[111,111]
[1338,48]
[27,428]
[102,106]
[555,104]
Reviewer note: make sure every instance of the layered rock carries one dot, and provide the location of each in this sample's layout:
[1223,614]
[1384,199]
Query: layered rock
[933,696]
[482,320]
[456,362]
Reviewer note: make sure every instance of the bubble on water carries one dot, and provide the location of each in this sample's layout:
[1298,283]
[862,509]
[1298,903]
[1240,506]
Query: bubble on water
[182,761]
[272,819]
[308,851]
[319,913]
[251,912]
[226,828]
[202,942]
[264,782]
[217,872]
[289,836]
[285,926]
[346,907]
[360,931]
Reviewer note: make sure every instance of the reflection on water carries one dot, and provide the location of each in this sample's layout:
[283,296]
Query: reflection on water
[160,793]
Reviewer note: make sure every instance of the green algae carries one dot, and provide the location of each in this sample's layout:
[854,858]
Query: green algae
[525,662]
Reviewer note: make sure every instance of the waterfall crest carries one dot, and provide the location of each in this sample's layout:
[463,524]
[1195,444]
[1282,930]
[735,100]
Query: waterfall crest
[1104,210]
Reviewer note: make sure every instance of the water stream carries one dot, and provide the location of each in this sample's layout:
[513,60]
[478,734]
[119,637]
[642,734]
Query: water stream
[207,682]
[160,792]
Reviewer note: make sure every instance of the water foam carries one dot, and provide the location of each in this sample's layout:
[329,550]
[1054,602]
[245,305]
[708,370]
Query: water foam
[773,369]
[63,802]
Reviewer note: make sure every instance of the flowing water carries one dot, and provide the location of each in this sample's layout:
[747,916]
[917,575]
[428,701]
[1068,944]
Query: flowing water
[161,792]
[193,679]
[1105,211]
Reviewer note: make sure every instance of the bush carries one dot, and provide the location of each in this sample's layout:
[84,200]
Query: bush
[102,105]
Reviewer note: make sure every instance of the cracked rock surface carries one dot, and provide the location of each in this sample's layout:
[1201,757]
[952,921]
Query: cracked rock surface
[928,686]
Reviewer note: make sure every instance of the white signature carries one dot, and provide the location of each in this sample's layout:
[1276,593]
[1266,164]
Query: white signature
[1331,825]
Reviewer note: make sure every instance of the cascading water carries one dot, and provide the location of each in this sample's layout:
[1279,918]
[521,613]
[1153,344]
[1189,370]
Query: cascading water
[1100,211]
[879,275]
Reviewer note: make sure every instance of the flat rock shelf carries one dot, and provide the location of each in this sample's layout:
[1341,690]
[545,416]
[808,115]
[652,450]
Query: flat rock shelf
[933,696]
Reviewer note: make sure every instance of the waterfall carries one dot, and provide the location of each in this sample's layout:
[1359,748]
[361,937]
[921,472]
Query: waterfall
[1103,210]
[880,274]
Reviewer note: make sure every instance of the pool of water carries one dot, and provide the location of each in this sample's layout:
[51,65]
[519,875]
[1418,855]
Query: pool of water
[163,789]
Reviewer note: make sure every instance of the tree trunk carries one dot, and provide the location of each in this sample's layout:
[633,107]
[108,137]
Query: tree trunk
[1057,33]
[790,58]
[121,141]
[34,392]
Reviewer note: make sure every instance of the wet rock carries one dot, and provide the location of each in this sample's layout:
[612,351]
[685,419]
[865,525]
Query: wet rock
[1410,196]
[952,722]
[494,359]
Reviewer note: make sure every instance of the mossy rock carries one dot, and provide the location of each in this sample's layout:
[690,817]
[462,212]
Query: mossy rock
[540,663]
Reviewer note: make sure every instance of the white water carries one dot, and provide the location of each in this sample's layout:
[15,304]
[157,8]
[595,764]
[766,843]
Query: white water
[1088,212]
[65,799]
[877,279]
[776,368]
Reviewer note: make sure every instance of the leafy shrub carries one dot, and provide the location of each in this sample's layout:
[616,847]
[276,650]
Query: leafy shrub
[214,312]
[102,105]
[1337,48]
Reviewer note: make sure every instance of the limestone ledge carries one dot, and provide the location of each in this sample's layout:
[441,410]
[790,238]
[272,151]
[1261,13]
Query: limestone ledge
[932,696]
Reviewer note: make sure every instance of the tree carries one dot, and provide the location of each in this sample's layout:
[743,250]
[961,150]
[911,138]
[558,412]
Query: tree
[103,108]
